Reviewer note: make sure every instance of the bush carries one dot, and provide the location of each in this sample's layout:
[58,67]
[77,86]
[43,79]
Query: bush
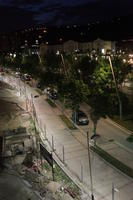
[130,138]
[67,122]
[51,103]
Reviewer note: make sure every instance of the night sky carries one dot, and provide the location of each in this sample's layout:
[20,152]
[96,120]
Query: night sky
[18,14]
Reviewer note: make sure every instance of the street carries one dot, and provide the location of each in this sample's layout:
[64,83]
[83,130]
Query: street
[75,151]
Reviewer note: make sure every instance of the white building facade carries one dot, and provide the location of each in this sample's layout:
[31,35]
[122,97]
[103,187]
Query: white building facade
[73,46]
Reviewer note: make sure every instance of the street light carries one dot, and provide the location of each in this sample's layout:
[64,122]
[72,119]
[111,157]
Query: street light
[116,87]
[63,62]
[113,191]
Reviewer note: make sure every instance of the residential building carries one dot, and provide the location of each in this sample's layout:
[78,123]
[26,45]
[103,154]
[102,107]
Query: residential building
[72,46]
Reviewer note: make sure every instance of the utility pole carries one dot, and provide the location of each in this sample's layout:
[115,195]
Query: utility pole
[89,158]
[113,191]
[63,62]
[64,65]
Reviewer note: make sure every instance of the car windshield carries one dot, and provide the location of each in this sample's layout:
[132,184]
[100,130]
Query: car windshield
[81,114]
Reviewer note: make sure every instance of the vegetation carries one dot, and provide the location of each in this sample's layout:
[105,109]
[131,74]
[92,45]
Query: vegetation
[79,79]
[39,91]
[67,122]
[113,161]
[130,138]
[61,177]
[68,183]
[51,103]
[31,65]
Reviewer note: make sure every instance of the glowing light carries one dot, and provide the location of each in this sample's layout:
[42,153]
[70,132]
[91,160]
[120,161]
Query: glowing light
[57,53]
[103,51]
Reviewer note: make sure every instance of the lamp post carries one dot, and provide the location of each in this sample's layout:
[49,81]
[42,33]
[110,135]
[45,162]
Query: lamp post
[116,87]
[90,169]
[113,191]
[63,62]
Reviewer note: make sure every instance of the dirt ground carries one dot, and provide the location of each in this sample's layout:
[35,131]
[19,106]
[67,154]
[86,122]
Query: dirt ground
[18,182]
[12,114]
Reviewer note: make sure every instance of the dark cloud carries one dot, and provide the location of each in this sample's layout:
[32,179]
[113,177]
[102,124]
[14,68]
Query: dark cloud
[28,12]
[50,8]
[84,13]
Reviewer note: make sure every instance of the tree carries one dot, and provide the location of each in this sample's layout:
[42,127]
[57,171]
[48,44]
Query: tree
[85,67]
[76,91]
[31,64]
[121,70]
[52,72]
[103,98]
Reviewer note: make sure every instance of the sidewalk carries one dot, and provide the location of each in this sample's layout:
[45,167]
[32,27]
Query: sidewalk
[119,148]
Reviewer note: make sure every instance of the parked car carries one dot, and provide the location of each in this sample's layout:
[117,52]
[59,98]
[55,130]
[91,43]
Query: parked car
[51,93]
[81,118]
[27,77]
[47,90]
[17,74]
[38,85]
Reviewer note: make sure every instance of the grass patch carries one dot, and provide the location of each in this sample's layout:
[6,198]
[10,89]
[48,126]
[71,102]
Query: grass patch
[62,177]
[51,103]
[70,185]
[39,91]
[45,165]
[113,161]
[130,138]
[33,127]
[66,103]
[67,122]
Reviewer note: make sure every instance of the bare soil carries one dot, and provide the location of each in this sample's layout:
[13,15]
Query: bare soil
[12,114]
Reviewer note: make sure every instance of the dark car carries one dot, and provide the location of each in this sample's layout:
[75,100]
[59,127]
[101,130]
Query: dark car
[38,85]
[53,95]
[27,77]
[81,118]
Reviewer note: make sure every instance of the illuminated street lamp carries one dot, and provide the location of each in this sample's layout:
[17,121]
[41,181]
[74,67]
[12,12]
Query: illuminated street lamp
[63,62]
[116,87]
[113,191]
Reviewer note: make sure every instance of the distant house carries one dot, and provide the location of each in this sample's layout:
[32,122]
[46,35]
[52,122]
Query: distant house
[44,49]
[84,46]
[72,46]
[103,46]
